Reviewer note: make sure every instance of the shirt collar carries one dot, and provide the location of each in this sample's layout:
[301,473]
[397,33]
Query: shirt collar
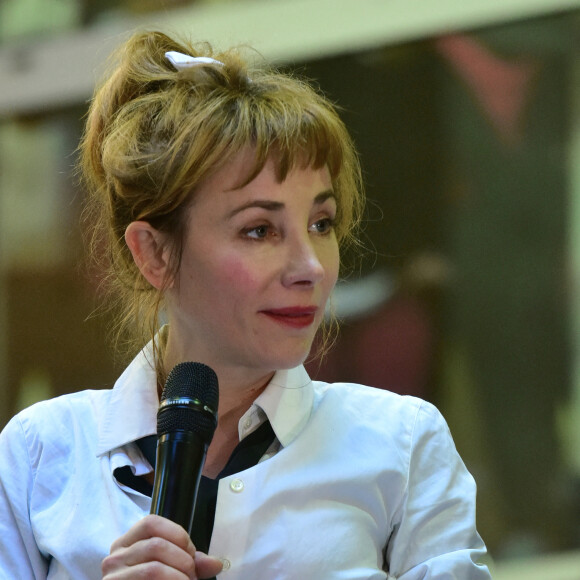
[132,409]
[131,412]
[287,402]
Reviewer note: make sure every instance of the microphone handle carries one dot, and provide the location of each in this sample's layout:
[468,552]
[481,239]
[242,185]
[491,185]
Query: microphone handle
[180,459]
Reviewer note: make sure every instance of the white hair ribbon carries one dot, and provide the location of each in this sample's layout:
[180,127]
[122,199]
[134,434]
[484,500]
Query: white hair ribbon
[182,61]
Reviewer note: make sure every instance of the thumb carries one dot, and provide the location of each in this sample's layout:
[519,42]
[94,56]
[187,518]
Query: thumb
[207,566]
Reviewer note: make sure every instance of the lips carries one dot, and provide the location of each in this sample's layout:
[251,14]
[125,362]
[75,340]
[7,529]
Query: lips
[295,317]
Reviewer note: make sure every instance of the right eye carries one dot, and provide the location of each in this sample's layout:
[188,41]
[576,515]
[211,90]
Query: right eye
[257,233]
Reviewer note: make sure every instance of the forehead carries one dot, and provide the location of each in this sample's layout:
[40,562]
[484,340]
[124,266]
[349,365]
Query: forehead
[235,174]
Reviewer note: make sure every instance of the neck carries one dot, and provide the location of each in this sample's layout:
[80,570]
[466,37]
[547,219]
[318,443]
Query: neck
[238,387]
[235,399]
[234,402]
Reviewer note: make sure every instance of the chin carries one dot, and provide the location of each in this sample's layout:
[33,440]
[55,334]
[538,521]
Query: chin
[288,360]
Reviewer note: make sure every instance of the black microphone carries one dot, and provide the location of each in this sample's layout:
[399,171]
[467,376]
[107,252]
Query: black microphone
[186,421]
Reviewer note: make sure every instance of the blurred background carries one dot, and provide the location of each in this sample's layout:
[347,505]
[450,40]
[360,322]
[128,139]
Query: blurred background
[467,118]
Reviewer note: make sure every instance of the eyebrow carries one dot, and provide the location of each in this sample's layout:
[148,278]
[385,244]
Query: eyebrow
[278,205]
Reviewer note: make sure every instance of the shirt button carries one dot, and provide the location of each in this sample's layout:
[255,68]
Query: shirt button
[237,485]
[247,423]
[226,564]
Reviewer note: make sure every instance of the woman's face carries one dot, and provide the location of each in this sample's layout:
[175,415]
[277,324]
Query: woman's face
[257,269]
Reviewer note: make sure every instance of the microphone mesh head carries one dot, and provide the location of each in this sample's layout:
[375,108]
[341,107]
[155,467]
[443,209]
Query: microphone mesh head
[195,382]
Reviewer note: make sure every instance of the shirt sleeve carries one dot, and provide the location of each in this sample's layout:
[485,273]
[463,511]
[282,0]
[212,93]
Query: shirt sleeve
[435,535]
[19,554]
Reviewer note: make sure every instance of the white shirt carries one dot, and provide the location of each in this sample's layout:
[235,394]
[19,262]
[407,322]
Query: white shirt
[366,485]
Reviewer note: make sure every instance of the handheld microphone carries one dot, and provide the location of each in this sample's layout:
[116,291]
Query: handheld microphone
[186,421]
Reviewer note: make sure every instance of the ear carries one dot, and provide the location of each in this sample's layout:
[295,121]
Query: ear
[151,252]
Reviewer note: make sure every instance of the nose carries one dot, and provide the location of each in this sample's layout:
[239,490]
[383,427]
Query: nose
[303,264]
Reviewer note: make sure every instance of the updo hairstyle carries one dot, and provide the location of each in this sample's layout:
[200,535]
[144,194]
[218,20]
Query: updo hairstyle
[154,134]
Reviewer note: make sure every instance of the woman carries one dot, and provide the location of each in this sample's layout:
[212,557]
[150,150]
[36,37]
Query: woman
[222,192]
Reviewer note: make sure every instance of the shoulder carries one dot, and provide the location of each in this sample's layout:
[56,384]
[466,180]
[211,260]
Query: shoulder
[404,419]
[83,405]
[55,423]
[369,402]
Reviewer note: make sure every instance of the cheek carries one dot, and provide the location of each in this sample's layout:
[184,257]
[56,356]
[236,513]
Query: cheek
[238,274]
[332,266]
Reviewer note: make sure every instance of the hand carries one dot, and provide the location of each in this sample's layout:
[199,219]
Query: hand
[157,549]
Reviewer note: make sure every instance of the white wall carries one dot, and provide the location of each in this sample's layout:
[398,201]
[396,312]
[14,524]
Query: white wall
[45,73]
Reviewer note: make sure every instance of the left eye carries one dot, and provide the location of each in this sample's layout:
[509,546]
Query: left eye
[322,226]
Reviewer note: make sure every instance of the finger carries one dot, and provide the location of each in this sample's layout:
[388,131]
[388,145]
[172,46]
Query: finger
[152,526]
[207,566]
[152,550]
[148,571]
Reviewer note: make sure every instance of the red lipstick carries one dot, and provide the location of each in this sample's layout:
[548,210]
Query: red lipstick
[295,316]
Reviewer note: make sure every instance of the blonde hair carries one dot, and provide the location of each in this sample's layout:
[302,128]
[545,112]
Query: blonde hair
[153,134]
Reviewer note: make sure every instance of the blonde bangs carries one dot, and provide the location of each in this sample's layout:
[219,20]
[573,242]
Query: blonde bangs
[294,128]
